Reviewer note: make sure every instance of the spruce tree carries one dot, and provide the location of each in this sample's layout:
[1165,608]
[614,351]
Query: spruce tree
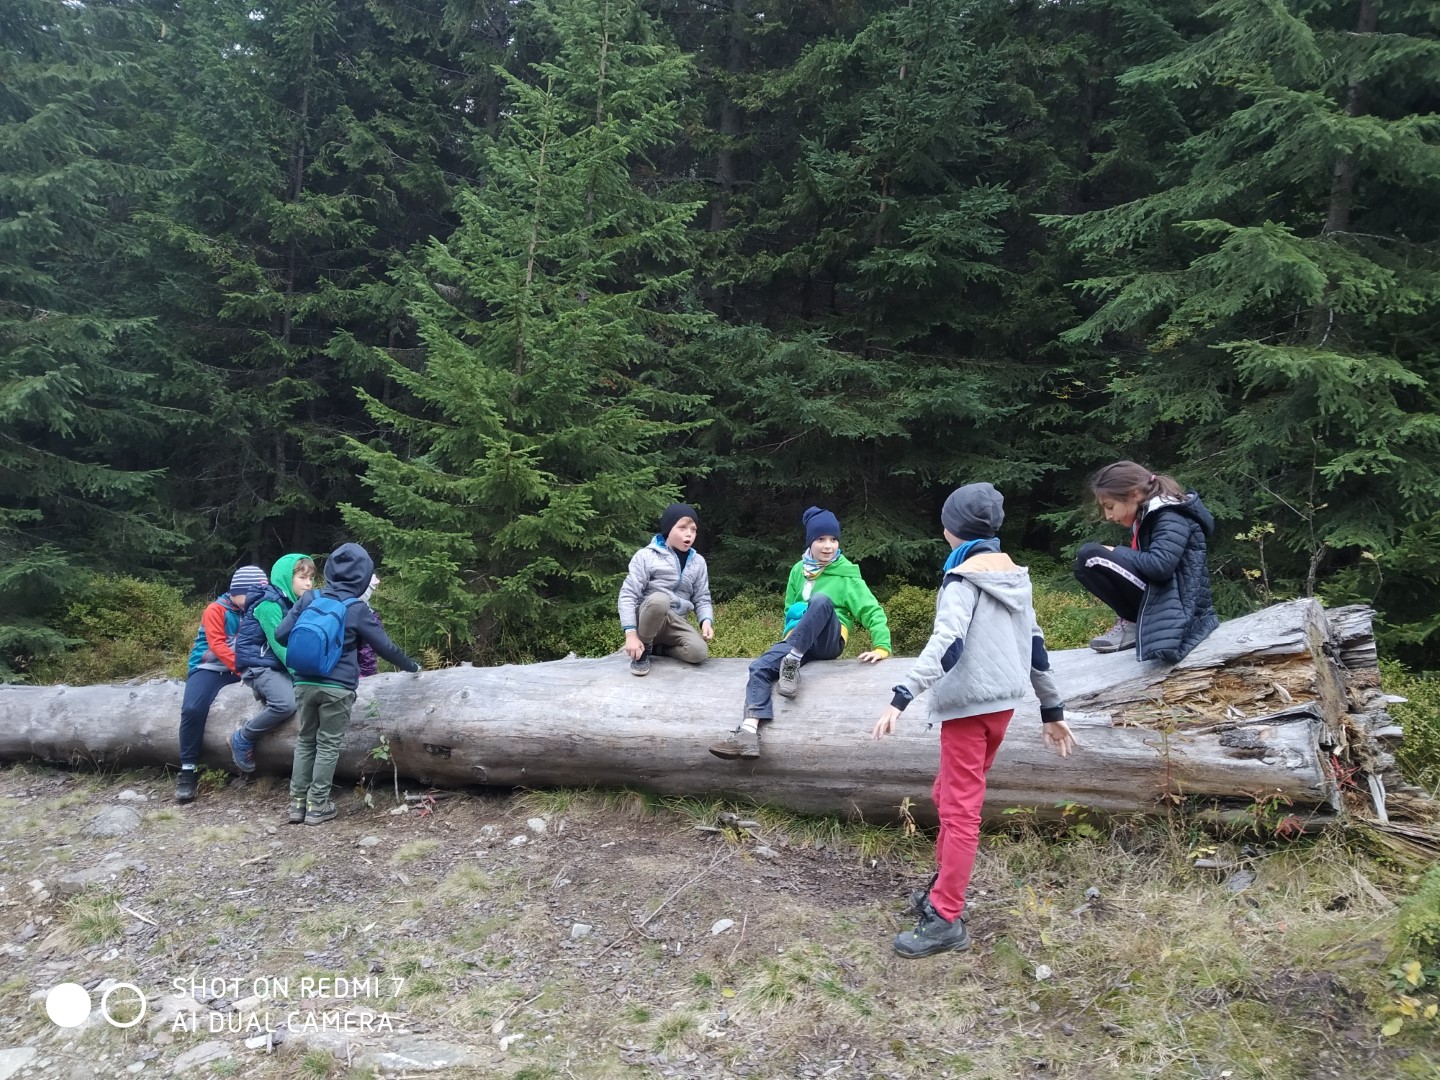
[72,402]
[532,459]
[1270,310]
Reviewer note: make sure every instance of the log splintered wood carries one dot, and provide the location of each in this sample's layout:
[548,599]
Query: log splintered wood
[1281,708]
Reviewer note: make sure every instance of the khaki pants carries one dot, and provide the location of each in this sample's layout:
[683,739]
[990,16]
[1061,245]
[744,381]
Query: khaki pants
[324,713]
[658,625]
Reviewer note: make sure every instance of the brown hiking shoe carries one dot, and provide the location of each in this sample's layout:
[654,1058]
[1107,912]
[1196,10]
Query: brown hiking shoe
[741,744]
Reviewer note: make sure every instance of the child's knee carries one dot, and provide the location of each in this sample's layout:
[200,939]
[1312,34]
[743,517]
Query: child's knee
[822,603]
[1085,554]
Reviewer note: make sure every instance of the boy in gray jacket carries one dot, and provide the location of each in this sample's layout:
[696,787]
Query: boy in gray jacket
[668,579]
[985,651]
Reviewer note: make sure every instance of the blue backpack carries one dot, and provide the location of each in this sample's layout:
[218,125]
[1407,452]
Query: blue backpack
[318,637]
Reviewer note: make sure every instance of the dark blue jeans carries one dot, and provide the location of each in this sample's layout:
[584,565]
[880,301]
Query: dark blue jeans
[200,689]
[815,637]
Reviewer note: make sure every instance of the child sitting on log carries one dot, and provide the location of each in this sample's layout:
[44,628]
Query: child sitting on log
[1159,586]
[986,650]
[260,659]
[212,668]
[824,600]
[668,579]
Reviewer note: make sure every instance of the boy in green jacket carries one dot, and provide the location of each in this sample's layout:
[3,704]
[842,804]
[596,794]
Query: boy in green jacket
[824,599]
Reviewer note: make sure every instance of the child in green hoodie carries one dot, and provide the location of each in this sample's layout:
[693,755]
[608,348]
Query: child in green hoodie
[260,659]
[824,599]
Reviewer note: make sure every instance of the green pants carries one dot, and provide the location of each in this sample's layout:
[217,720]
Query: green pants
[324,711]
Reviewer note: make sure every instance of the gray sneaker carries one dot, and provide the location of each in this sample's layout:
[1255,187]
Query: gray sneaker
[641,666]
[788,685]
[1120,636]
[742,744]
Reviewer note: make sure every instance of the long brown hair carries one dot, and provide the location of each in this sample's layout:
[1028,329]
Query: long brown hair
[1121,479]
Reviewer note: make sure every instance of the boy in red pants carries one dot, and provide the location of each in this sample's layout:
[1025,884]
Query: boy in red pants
[984,652]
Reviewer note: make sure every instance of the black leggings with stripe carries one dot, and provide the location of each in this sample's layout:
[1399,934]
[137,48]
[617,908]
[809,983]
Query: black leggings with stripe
[1109,575]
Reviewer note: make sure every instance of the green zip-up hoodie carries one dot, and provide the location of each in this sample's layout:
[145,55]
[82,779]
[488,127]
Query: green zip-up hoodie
[853,600]
[268,613]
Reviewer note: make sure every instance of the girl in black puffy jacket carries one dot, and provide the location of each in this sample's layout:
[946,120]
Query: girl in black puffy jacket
[1159,587]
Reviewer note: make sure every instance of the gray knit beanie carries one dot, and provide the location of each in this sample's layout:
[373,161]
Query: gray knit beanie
[974,512]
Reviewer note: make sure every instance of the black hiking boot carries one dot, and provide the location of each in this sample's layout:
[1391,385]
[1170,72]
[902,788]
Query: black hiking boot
[932,934]
[187,784]
[297,812]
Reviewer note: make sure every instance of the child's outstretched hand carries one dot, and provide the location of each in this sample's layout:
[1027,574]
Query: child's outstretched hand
[1057,736]
[886,724]
[874,656]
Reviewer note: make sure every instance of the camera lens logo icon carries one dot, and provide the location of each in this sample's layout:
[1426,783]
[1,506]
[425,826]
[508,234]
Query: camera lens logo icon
[68,1005]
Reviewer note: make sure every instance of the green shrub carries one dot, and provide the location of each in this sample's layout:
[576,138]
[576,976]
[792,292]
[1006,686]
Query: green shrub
[1418,928]
[128,628]
[1419,715]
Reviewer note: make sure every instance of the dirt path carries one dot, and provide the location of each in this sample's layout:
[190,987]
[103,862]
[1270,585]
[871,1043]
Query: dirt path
[484,937]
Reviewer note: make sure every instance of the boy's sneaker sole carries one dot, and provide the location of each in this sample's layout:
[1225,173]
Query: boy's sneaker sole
[743,744]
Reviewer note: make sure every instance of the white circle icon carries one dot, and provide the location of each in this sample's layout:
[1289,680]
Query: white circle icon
[68,1004]
[105,1005]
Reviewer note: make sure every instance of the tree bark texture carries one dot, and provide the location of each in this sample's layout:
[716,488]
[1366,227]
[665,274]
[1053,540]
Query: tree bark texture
[1280,708]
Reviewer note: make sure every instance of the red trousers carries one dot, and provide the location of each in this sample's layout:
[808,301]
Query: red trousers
[967,750]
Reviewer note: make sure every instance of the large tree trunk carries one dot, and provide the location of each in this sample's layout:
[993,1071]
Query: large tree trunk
[1259,714]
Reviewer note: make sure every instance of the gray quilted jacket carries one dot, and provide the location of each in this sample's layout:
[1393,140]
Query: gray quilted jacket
[655,568]
[986,649]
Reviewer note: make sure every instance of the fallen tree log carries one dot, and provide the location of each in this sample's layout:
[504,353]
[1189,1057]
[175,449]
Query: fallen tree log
[1281,708]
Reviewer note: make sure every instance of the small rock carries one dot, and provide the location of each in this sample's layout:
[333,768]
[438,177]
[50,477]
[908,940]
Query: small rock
[114,821]
[1043,972]
[199,1055]
[508,1039]
[765,851]
[134,1067]
[489,830]
[1067,1029]
[537,825]
[131,795]
[1092,893]
[579,930]
[1240,880]
[248,1004]
[368,841]
[412,1055]
[722,925]
[15,1059]
[517,841]
[401,810]
[28,931]
[258,1042]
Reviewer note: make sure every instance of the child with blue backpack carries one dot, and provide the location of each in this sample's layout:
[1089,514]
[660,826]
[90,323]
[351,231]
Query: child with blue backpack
[322,634]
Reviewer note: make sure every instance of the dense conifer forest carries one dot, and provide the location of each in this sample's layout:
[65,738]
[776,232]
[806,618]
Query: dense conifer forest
[484,285]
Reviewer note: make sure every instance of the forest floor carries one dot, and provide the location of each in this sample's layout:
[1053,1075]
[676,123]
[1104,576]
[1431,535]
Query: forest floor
[585,935]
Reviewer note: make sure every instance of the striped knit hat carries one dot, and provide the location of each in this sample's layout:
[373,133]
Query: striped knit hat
[248,577]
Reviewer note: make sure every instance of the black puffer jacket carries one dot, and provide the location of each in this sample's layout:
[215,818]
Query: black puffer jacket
[1176,613]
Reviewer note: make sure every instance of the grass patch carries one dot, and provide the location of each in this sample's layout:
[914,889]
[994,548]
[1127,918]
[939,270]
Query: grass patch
[298,865]
[1419,752]
[416,850]
[91,919]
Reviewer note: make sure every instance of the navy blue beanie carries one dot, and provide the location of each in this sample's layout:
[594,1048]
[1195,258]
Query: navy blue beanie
[819,523]
[673,514]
